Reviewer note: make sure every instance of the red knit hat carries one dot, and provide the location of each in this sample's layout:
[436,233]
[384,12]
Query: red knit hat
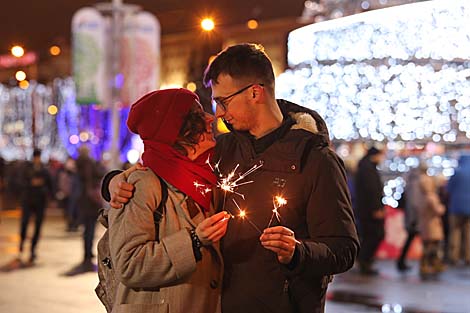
[159,115]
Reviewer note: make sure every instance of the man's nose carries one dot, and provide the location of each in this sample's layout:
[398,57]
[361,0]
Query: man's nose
[219,112]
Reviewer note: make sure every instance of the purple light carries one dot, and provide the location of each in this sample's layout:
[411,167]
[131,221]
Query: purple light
[119,81]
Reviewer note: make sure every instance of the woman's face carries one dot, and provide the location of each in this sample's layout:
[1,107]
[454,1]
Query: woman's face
[197,136]
[206,140]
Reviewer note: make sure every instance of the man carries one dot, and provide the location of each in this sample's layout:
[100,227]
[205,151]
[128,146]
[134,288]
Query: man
[286,268]
[370,208]
[459,212]
[36,188]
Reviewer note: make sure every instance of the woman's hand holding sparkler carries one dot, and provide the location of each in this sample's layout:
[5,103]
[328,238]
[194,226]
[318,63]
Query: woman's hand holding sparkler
[213,228]
[281,240]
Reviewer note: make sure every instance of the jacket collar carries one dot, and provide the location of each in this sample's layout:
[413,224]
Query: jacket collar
[306,127]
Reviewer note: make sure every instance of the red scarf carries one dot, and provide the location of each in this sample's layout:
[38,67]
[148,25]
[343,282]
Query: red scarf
[180,171]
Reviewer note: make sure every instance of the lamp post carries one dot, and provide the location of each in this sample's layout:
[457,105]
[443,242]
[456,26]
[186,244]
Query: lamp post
[117,12]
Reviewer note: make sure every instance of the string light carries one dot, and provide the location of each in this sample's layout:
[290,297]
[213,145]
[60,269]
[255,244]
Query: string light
[397,80]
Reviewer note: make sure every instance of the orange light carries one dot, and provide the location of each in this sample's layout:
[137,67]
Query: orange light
[252,24]
[191,86]
[24,84]
[207,24]
[52,109]
[54,50]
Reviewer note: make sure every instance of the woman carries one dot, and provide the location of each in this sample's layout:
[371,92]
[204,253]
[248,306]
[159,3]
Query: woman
[430,210]
[182,271]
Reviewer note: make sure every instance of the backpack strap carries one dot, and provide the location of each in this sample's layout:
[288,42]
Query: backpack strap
[158,213]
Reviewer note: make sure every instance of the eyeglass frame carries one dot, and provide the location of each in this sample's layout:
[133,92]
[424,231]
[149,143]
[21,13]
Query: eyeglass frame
[220,101]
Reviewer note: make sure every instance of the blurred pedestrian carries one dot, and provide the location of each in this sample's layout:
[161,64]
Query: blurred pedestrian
[459,212]
[89,173]
[430,210]
[412,195]
[69,190]
[2,180]
[371,213]
[36,188]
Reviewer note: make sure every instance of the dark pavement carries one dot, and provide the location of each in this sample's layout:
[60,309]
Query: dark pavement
[43,288]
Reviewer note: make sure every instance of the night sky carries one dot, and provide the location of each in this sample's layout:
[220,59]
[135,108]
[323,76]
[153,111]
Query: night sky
[37,24]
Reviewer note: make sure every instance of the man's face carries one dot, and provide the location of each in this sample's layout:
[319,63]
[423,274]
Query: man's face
[238,109]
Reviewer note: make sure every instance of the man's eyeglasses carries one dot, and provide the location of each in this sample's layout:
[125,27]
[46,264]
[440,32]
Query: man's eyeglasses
[223,101]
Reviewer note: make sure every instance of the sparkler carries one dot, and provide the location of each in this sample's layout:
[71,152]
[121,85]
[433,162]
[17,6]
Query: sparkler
[230,183]
[203,189]
[242,215]
[278,202]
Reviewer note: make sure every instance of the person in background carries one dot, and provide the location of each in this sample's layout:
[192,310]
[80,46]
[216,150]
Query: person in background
[430,210]
[36,189]
[371,213]
[459,212]
[89,177]
[412,195]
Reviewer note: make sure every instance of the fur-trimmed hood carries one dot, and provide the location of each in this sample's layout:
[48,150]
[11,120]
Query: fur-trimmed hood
[304,121]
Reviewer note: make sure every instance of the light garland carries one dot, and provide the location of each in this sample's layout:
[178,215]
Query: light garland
[400,73]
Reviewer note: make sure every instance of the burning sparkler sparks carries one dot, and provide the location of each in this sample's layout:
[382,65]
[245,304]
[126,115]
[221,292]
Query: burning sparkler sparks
[242,215]
[278,202]
[230,183]
[203,189]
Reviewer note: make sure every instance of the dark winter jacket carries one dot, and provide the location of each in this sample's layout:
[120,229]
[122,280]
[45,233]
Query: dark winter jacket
[459,188]
[36,185]
[369,189]
[301,167]
[89,174]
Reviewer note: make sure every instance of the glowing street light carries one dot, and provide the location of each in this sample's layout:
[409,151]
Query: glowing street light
[24,84]
[252,24]
[54,50]
[207,24]
[52,109]
[17,51]
[20,76]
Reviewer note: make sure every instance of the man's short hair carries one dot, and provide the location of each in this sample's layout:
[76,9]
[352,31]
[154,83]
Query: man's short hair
[246,62]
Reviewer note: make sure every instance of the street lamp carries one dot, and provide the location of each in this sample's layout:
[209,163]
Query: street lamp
[17,51]
[20,76]
[54,50]
[207,24]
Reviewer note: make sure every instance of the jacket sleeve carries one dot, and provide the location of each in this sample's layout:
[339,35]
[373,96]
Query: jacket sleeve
[333,243]
[139,260]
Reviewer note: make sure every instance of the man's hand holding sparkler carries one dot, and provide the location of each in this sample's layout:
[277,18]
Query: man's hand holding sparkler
[121,191]
[281,240]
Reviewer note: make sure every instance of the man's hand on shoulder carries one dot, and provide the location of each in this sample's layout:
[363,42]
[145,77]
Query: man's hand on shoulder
[120,190]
